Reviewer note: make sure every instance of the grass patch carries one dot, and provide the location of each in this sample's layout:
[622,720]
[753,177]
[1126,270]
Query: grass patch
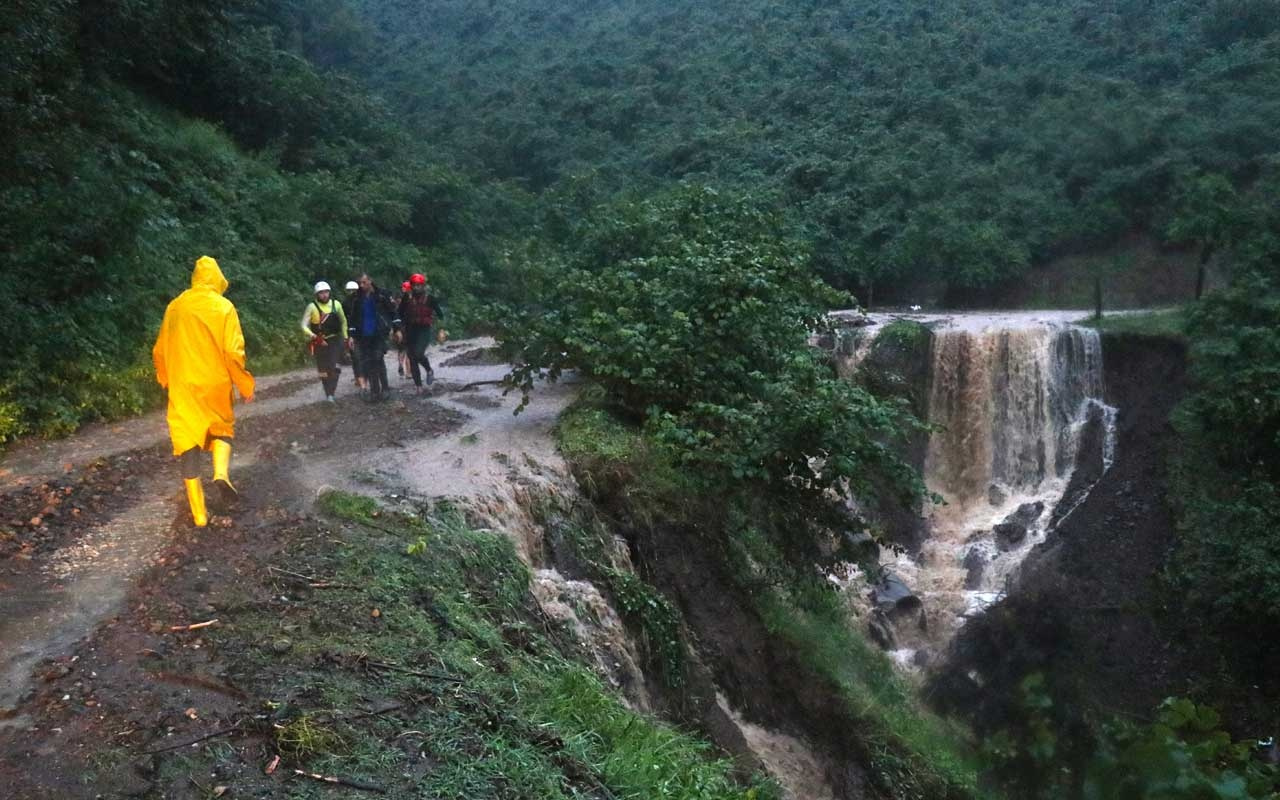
[610,456]
[490,703]
[1169,323]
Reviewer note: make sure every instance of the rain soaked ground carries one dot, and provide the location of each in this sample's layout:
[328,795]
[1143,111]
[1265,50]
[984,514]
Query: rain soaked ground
[82,518]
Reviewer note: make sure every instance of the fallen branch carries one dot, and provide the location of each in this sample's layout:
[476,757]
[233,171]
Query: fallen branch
[194,627]
[474,384]
[367,524]
[311,581]
[366,787]
[416,672]
[198,740]
[297,575]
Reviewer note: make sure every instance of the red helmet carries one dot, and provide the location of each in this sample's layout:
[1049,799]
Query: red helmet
[417,279]
[405,286]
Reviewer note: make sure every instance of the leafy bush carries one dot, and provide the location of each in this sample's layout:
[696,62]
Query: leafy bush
[1226,567]
[1181,756]
[692,314]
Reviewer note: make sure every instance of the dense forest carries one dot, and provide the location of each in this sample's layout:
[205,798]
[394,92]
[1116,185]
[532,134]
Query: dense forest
[958,146]
[594,178]
[964,141]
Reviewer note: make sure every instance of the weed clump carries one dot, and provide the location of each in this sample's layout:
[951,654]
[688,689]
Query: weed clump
[307,736]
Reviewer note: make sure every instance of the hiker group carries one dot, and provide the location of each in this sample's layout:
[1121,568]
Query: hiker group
[363,323]
[200,359]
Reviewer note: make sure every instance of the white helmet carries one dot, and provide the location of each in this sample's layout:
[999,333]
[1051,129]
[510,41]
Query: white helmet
[321,286]
[351,286]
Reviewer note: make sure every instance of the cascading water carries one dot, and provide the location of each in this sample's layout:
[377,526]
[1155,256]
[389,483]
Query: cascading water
[1010,399]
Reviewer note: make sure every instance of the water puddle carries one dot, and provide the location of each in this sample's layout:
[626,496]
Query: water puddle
[80,585]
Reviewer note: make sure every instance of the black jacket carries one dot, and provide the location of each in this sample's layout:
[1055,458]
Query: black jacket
[386,311]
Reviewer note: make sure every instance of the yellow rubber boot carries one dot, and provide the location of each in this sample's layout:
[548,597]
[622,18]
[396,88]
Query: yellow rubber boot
[195,498]
[221,470]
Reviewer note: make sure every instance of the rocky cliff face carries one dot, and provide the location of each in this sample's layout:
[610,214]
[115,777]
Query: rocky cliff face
[1085,608]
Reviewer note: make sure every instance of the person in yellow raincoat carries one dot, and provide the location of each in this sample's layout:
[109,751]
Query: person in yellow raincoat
[199,357]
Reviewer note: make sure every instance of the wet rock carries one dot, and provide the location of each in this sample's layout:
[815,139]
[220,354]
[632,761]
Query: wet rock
[1010,533]
[996,496]
[134,786]
[975,565]
[892,596]
[860,546]
[881,632]
[921,658]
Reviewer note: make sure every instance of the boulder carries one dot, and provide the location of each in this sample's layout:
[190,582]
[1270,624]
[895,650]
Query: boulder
[975,565]
[893,597]
[1009,535]
[859,547]
[881,632]
[1011,532]
[996,496]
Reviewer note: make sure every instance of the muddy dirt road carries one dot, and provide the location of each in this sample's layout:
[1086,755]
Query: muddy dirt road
[95,536]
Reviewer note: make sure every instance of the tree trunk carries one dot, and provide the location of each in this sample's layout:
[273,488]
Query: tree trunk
[1205,255]
[871,294]
[1097,297]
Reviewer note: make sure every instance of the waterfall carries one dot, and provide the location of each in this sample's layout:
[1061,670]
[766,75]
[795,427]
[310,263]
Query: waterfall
[1010,401]
[1009,405]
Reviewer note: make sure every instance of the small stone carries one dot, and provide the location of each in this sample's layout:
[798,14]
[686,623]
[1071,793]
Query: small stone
[135,786]
[281,646]
[145,766]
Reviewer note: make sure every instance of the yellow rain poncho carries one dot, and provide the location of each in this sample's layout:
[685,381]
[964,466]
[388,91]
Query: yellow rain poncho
[199,356]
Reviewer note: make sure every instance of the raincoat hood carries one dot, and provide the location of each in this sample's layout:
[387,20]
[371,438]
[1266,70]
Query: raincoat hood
[208,275]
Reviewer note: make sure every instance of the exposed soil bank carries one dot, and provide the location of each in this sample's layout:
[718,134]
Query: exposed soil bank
[757,676]
[1087,608]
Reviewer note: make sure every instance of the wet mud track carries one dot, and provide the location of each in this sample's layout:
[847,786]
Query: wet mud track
[89,534]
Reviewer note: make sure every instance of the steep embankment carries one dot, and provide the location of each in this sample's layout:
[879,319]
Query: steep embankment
[769,641]
[1087,609]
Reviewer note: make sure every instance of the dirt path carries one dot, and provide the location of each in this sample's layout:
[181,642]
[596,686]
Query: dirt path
[86,516]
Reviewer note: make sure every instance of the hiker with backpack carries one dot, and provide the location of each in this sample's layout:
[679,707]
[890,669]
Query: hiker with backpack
[325,325]
[419,311]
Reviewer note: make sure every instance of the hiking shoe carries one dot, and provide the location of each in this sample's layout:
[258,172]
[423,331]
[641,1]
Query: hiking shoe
[431,377]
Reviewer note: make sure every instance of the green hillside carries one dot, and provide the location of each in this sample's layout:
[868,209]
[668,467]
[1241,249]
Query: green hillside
[150,133]
[963,140]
